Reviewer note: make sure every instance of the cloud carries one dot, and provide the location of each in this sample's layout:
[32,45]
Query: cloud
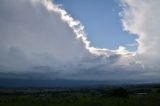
[140,17]
[40,40]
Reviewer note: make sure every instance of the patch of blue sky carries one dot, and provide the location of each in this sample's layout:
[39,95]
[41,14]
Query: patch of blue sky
[102,22]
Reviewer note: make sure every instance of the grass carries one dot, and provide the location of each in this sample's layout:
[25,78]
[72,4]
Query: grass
[149,100]
[79,97]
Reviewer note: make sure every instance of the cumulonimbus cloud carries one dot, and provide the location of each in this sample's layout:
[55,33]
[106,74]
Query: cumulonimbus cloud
[38,36]
[140,17]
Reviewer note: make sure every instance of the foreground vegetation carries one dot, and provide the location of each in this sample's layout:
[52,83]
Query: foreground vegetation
[134,96]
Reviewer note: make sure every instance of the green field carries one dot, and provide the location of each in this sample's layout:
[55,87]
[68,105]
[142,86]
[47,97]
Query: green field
[80,97]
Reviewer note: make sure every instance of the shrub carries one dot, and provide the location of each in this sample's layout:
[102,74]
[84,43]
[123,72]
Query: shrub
[119,92]
[158,90]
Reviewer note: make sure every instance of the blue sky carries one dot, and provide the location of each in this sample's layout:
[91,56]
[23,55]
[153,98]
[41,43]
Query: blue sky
[101,20]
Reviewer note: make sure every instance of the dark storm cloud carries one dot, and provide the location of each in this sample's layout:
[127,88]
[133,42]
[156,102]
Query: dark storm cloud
[39,40]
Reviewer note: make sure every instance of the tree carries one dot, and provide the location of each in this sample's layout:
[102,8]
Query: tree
[158,90]
[119,92]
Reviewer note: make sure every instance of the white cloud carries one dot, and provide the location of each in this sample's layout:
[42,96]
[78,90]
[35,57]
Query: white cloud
[38,36]
[141,17]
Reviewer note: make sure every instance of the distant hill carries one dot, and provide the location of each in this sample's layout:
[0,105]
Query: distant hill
[58,83]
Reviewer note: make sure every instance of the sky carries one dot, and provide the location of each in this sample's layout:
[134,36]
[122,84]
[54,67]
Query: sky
[102,22]
[80,40]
